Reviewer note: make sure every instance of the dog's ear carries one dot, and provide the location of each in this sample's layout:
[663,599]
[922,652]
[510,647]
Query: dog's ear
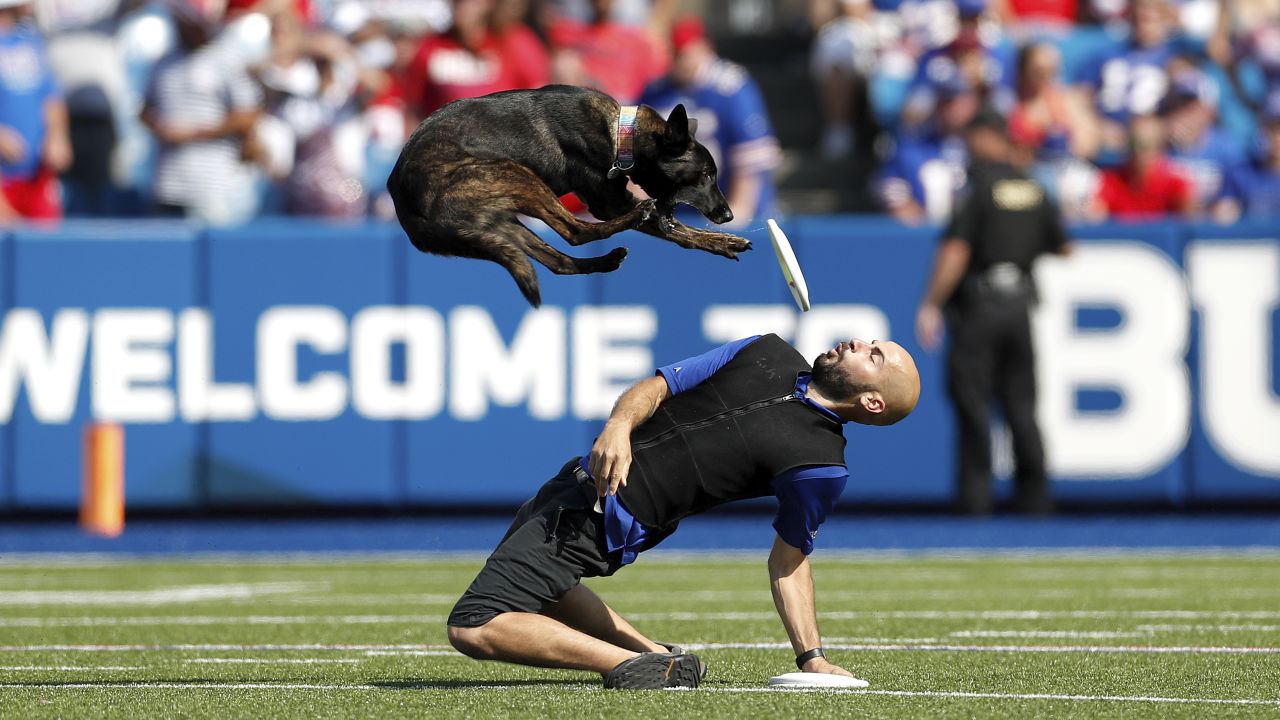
[693,127]
[678,128]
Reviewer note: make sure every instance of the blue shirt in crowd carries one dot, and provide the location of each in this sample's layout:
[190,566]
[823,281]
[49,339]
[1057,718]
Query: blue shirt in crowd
[26,84]
[805,495]
[733,123]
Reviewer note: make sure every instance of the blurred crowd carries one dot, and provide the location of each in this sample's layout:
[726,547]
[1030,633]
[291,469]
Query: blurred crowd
[1126,109]
[225,110]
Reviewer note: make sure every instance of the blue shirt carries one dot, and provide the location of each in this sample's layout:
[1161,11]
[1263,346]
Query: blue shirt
[1127,79]
[1257,189]
[805,495]
[26,84]
[928,169]
[733,123]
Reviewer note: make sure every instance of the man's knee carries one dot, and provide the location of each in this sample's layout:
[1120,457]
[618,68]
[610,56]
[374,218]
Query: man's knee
[469,641]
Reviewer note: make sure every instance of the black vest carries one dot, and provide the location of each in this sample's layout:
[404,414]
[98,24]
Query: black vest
[726,438]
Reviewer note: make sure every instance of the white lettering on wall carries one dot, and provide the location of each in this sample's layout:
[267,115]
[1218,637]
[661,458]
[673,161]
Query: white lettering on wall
[610,351]
[1141,359]
[200,398]
[282,394]
[49,367]
[1237,288]
[374,331]
[132,365]
[483,369]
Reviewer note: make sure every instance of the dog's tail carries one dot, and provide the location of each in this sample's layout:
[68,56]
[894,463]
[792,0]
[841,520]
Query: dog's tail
[517,263]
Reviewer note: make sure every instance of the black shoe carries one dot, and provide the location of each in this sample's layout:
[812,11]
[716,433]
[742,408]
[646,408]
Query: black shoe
[677,650]
[654,671]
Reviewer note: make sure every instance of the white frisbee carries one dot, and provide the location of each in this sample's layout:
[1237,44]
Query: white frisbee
[790,268]
[816,680]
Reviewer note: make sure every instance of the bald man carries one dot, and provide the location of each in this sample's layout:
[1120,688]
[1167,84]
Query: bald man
[748,419]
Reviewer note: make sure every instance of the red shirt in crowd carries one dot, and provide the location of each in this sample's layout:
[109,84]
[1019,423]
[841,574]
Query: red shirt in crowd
[525,56]
[1053,11]
[617,59]
[443,71]
[1162,191]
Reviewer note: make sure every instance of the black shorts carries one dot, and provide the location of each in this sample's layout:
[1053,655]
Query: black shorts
[557,539]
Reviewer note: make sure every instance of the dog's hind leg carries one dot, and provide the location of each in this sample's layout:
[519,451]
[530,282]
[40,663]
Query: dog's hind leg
[513,258]
[537,200]
[561,264]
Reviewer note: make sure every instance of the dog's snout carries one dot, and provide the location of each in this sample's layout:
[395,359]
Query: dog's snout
[724,215]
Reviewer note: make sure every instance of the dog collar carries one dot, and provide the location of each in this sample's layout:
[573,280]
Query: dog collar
[626,133]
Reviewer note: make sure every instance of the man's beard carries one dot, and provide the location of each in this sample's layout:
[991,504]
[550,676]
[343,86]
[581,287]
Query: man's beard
[831,383]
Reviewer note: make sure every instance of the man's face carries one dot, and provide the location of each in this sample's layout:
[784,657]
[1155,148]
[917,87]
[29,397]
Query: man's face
[851,366]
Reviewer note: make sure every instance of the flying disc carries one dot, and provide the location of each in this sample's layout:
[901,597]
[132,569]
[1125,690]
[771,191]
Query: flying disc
[790,268]
[815,680]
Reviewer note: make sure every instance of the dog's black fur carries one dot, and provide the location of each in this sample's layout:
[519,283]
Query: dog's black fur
[474,165]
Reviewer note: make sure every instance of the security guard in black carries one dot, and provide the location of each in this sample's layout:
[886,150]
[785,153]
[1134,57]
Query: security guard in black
[1002,222]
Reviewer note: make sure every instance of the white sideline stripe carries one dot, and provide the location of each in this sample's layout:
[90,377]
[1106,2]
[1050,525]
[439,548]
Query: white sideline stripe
[1074,634]
[850,691]
[414,653]
[161,596]
[691,646]
[105,620]
[214,647]
[72,667]
[975,615]
[271,661]
[893,647]
[994,696]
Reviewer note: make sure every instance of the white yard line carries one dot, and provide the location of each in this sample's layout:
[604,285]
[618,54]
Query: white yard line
[1072,634]
[109,620]
[270,661]
[501,687]
[86,668]
[160,596]
[869,647]
[148,620]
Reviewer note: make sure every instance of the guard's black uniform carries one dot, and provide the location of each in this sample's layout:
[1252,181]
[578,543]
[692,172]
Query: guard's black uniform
[1008,220]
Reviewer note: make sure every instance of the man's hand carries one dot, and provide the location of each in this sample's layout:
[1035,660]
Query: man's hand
[929,326]
[822,665]
[610,459]
[12,146]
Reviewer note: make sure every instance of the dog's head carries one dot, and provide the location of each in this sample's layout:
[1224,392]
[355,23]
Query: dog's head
[684,172]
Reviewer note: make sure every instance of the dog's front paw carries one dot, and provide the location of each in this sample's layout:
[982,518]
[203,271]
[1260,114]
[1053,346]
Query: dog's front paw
[729,245]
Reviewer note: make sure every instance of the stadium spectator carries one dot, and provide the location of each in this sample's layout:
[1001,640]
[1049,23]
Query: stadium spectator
[1252,189]
[846,54]
[1052,131]
[201,105]
[1038,18]
[1147,186]
[601,53]
[1129,77]
[465,61]
[979,53]
[1198,149]
[522,50]
[34,142]
[919,181]
[733,122]
[313,80]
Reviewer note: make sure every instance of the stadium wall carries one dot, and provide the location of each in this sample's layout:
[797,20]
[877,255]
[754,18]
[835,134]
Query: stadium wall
[295,364]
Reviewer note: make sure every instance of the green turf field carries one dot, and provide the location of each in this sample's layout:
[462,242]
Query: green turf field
[1121,635]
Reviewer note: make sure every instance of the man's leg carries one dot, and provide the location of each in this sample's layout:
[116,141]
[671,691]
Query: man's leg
[1017,392]
[533,639]
[584,611]
[969,383]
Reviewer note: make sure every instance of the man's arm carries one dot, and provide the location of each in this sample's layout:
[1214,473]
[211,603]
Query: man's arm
[611,454]
[949,265]
[792,584]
